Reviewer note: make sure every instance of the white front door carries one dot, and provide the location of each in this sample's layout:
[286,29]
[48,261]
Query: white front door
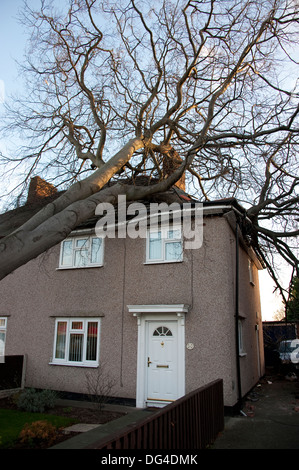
[160,353]
[161,362]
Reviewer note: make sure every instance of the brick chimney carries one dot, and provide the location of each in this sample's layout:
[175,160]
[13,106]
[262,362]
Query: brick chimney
[39,189]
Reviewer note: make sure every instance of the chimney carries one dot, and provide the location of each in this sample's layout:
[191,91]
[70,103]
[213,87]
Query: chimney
[39,189]
[170,164]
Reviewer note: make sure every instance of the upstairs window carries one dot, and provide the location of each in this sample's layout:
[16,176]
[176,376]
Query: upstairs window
[164,245]
[250,271]
[81,252]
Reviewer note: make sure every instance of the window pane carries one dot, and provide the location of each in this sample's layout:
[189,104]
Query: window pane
[96,244]
[82,243]
[60,340]
[240,332]
[173,251]
[67,253]
[2,343]
[77,325]
[76,346]
[174,234]
[2,322]
[155,246]
[92,338]
[81,257]
[162,331]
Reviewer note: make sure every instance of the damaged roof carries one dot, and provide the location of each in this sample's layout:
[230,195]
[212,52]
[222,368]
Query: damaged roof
[41,193]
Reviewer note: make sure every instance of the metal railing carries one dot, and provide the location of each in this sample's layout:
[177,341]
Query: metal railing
[191,422]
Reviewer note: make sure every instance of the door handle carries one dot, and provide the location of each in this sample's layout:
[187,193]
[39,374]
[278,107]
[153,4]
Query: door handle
[148,362]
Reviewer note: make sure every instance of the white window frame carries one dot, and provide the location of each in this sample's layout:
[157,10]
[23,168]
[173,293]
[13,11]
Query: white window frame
[165,239]
[69,331]
[241,337]
[250,270]
[3,329]
[76,249]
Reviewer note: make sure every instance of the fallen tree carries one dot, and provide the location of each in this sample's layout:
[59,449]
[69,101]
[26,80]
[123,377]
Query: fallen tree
[163,89]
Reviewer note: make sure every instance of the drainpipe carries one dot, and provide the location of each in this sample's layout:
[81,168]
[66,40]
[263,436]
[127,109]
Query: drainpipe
[237,321]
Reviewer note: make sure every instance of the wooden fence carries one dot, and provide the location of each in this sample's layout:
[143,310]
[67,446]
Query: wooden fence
[12,372]
[191,422]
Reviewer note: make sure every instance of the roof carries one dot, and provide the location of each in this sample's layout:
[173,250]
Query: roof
[41,193]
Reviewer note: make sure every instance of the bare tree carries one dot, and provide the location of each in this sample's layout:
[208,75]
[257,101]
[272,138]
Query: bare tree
[99,385]
[115,88]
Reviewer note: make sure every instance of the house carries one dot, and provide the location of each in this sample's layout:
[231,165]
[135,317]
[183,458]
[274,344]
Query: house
[162,319]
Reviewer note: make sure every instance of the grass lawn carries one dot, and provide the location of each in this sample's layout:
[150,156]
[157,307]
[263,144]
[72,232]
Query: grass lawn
[13,421]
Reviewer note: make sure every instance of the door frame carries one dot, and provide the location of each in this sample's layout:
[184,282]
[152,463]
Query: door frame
[143,314]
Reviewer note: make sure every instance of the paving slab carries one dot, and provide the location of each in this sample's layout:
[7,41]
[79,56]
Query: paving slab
[87,439]
[81,427]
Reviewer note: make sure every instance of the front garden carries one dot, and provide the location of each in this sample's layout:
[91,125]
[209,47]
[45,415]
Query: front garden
[26,423]
[32,420]
[20,429]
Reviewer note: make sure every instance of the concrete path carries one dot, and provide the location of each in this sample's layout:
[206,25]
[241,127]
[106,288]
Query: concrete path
[271,421]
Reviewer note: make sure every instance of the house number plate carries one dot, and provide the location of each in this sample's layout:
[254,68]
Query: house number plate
[190,346]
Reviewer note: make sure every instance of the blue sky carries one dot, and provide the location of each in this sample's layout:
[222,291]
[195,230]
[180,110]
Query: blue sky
[12,40]
[12,48]
[12,43]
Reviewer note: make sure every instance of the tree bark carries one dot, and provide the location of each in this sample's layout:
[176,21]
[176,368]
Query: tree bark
[31,240]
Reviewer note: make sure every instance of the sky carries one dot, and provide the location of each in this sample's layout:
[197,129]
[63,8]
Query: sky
[12,42]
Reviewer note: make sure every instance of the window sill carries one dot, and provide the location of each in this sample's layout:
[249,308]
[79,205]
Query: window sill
[63,268]
[242,354]
[163,262]
[94,366]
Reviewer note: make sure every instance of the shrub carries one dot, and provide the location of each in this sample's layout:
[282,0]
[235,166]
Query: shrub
[35,401]
[37,434]
[99,385]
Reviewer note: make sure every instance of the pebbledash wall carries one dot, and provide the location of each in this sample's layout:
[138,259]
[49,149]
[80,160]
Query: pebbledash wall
[205,281]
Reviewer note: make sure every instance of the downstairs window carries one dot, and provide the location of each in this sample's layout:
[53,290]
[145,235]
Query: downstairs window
[76,342]
[3,321]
